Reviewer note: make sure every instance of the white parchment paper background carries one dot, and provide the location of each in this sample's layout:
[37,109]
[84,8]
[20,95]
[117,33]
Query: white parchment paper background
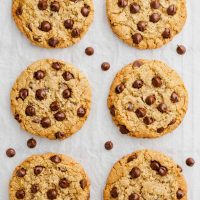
[87,146]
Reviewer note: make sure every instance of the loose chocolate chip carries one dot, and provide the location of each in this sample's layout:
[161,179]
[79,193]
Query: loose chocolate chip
[162,108]
[141,26]
[160,130]
[39,75]
[45,26]
[56,65]
[75,33]
[179,194]
[66,93]
[157,82]
[10,152]
[155,17]
[135,172]
[68,76]
[174,97]
[166,33]
[30,111]
[150,100]
[20,194]
[38,170]
[64,183]
[131,158]
[122,3]
[69,23]
[155,4]
[34,188]
[83,183]
[52,194]
[81,112]
[148,120]
[55,6]
[56,159]
[141,112]
[59,135]
[130,107]
[45,122]
[85,10]
[40,94]
[54,106]
[19,11]
[134,8]
[190,162]
[112,110]
[108,145]
[105,66]
[134,196]
[137,38]
[180,49]
[119,89]
[138,84]
[162,171]
[42,5]
[60,116]
[53,42]
[114,192]
[23,93]
[138,63]
[155,165]
[89,51]
[123,129]
[18,118]
[171,10]
[21,172]
[31,143]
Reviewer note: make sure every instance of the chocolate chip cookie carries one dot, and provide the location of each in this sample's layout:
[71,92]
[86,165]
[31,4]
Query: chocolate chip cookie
[147,99]
[49,176]
[146,24]
[145,175]
[51,99]
[53,24]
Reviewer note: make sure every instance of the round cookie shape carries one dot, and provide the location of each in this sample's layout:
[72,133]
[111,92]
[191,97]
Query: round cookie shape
[49,176]
[51,99]
[53,24]
[146,24]
[147,99]
[145,175]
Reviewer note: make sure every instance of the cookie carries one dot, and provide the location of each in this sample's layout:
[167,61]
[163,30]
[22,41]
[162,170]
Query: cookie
[145,175]
[49,176]
[146,24]
[147,99]
[51,99]
[53,24]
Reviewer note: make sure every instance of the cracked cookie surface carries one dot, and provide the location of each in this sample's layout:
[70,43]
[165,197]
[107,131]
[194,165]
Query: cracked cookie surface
[53,24]
[49,176]
[146,24]
[147,99]
[145,175]
[51,99]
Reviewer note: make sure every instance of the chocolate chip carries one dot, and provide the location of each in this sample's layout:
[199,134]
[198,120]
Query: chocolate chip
[31,143]
[174,97]
[55,6]
[18,118]
[42,5]
[155,165]
[134,8]
[21,172]
[38,170]
[114,192]
[155,4]
[150,100]
[52,194]
[23,93]
[155,17]
[180,194]
[56,65]
[39,75]
[64,183]
[180,49]
[122,3]
[56,159]
[123,129]
[40,94]
[60,116]
[148,120]
[134,196]
[85,10]
[190,162]
[138,84]
[10,152]
[160,130]
[157,82]
[19,11]
[45,122]
[119,89]
[137,38]
[166,33]
[141,112]
[135,172]
[130,107]
[108,145]
[69,23]
[75,33]
[172,122]
[54,106]
[180,168]
[83,183]
[20,194]
[34,188]
[89,51]
[138,63]
[162,108]
[45,26]
[68,76]
[53,42]
[141,26]
[59,135]
[162,171]
[131,158]
[66,93]
[171,10]
[81,112]
[105,66]
[30,111]
[112,110]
